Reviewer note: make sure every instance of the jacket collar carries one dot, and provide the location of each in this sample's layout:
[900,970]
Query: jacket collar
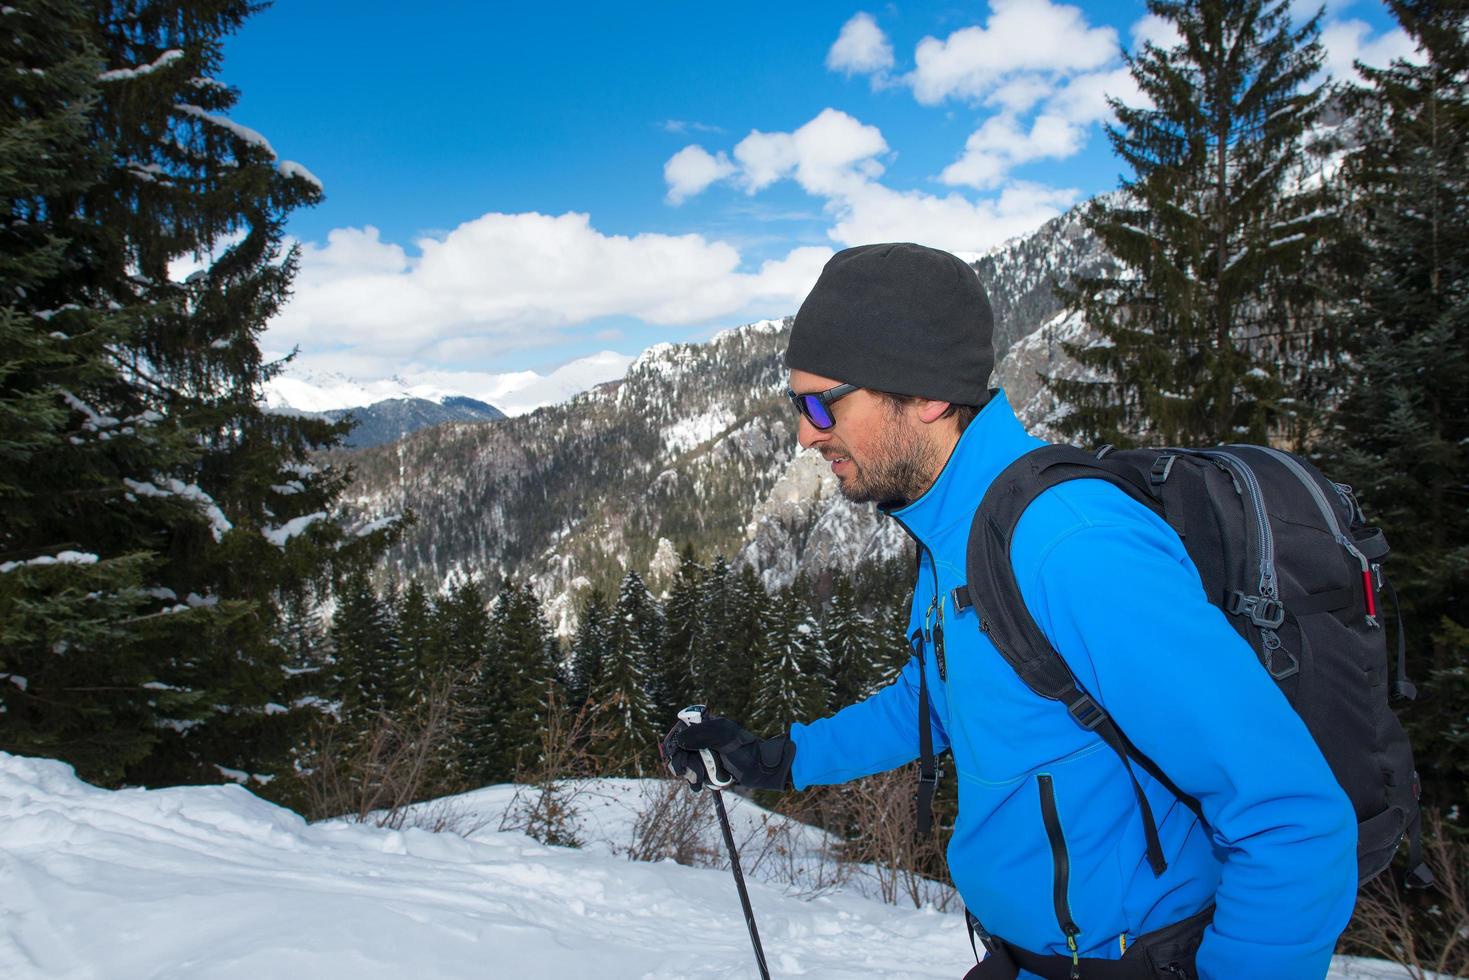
[991,442]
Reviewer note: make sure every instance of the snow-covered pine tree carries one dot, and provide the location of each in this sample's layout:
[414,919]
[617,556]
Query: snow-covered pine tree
[1216,329]
[628,734]
[589,648]
[710,657]
[374,677]
[785,691]
[673,672]
[749,616]
[848,640]
[814,661]
[153,512]
[1401,435]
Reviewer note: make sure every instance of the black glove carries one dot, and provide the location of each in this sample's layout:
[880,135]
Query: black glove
[751,762]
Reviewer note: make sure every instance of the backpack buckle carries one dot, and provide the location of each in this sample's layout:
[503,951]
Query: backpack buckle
[1162,466]
[1263,611]
[1087,713]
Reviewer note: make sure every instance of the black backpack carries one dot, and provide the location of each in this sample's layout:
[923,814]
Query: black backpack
[1288,556]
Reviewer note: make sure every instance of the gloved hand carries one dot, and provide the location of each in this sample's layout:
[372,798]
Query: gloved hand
[751,762]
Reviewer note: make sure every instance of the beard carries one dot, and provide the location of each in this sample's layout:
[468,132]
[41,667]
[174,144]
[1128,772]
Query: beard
[896,471]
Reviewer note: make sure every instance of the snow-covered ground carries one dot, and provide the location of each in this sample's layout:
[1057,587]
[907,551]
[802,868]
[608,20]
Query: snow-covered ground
[212,882]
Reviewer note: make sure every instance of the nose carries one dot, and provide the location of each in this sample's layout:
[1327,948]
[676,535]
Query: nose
[807,434]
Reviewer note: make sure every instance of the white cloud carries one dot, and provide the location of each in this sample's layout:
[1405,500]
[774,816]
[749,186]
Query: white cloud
[831,151]
[507,282]
[833,157]
[1154,30]
[874,213]
[1022,36]
[692,169]
[1351,40]
[681,126]
[1000,144]
[1083,100]
[861,48]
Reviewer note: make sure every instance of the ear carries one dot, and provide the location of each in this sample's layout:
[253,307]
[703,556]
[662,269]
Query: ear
[931,411]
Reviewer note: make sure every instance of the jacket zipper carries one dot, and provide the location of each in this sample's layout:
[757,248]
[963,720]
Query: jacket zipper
[933,620]
[1061,861]
[1299,472]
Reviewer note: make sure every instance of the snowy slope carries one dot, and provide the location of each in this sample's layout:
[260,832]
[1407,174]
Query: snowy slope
[215,884]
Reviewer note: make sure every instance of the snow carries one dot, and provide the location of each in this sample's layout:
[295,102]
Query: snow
[213,883]
[60,558]
[218,523]
[291,169]
[687,433]
[242,132]
[120,74]
[514,393]
[278,536]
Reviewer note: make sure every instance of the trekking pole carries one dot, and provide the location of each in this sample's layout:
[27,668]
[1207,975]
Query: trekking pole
[717,781]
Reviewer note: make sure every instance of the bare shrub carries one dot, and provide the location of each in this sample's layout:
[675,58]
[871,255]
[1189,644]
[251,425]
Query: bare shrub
[1427,933]
[544,805]
[779,847]
[446,816]
[674,822]
[880,809]
[373,776]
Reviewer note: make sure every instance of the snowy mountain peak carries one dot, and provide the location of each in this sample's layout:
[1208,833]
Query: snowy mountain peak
[514,392]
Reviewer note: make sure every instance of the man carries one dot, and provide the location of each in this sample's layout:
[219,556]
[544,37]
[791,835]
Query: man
[889,359]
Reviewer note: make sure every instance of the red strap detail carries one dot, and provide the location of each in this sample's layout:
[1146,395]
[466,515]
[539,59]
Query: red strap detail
[1370,593]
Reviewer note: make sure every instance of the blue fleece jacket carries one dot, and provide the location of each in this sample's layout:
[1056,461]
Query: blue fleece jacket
[1115,592]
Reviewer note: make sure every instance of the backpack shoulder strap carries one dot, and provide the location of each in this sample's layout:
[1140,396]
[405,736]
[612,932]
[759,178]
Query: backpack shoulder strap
[1003,616]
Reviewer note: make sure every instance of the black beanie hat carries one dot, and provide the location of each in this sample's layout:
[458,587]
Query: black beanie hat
[902,318]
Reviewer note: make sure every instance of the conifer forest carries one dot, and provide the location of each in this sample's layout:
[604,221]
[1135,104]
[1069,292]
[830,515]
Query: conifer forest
[194,589]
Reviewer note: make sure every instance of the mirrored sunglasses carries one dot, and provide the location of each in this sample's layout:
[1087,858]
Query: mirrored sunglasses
[816,405]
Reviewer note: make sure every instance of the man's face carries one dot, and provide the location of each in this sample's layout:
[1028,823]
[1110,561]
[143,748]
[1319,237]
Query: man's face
[876,449]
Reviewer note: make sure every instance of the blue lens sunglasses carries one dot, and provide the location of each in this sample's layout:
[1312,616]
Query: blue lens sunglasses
[816,406]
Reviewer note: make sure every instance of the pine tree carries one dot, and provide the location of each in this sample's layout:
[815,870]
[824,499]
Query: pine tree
[850,643]
[814,661]
[374,679]
[513,683]
[1216,329]
[462,630]
[461,640]
[710,648]
[1401,435]
[589,648]
[749,618]
[621,694]
[785,691]
[418,640]
[154,513]
[673,671]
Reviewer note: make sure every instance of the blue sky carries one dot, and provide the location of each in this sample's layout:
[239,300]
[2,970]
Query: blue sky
[515,186]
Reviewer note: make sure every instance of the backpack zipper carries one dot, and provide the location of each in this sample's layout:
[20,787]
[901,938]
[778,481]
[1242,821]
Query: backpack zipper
[1332,524]
[1256,497]
[1269,590]
[1061,861]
